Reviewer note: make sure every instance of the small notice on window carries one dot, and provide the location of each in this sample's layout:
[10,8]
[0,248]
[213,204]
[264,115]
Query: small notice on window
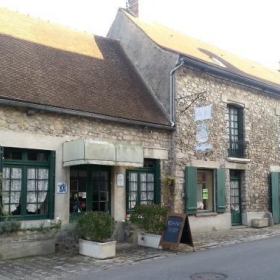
[203,113]
[204,194]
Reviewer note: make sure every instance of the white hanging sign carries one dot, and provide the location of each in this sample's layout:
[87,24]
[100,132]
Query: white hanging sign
[203,113]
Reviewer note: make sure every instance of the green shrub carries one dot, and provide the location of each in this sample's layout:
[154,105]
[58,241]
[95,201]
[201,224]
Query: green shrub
[9,226]
[96,226]
[150,218]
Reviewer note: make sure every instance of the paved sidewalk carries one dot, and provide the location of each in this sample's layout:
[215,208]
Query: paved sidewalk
[62,265]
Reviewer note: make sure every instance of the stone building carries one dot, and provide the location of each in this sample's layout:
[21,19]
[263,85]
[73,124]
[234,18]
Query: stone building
[225,111]
[77,125]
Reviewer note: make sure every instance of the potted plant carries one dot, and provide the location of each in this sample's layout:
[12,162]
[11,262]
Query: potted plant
[151,220]
[95,231]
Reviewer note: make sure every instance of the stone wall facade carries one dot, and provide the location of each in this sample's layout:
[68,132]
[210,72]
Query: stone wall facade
[48,131]
[261,133]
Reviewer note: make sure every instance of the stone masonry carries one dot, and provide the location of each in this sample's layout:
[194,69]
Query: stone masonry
[261,132]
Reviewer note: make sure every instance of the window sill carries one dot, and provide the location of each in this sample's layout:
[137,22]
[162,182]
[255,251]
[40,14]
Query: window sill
[206,214]
[238,160]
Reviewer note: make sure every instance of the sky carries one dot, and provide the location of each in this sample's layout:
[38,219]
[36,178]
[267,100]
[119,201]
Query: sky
[249,28]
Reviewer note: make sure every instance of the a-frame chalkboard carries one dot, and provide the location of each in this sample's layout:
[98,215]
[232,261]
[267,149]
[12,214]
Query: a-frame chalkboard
[177,230]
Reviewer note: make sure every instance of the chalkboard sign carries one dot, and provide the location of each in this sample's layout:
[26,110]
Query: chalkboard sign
[177,230]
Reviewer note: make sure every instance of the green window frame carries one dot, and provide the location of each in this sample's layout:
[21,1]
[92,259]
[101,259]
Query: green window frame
[236,146]
[27,191]
[90,189]
[143,185]
[219,190]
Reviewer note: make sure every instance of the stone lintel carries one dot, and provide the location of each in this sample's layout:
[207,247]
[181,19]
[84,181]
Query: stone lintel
[238,160]
[235,100]
[235,165]
[205,164]
[275,168]
[155,153]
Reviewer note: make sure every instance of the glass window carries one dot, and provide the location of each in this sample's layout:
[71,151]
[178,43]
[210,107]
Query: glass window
[205,190]
[141,185]
[26,186]
[235,131]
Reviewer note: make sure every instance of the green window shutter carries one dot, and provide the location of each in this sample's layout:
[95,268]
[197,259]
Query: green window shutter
[52,184]
[190,189]
[275,196]
[221,190]
[157,182]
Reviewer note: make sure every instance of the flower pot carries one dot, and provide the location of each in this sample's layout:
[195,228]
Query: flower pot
[149,240]
[97,250]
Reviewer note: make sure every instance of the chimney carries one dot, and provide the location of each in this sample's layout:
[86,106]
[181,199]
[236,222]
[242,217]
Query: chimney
[133,7]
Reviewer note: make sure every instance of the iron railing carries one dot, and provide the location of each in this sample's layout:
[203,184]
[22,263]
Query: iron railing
[237,148]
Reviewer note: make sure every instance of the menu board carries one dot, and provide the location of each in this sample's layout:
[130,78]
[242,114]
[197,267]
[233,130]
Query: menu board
[177,230]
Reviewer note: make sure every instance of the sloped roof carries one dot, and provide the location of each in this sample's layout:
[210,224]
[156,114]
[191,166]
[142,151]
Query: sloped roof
[198,50]
[47,64]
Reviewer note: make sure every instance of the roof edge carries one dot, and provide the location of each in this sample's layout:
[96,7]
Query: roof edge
[60,110]
[227,74]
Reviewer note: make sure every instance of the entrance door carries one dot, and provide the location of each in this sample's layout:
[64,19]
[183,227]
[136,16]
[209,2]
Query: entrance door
[89,189]
[235,197]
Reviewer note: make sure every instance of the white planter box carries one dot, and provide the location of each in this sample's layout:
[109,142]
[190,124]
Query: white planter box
[259,223]
[149,240]
[97,250]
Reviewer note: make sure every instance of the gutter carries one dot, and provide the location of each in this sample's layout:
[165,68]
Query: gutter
[226,74]
[172,93]
[58,110]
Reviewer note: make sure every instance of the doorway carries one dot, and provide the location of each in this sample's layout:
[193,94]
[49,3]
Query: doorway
[235,197]
[89,189]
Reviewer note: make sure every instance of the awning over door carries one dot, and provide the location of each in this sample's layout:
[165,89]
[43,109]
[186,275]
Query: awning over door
[84,151]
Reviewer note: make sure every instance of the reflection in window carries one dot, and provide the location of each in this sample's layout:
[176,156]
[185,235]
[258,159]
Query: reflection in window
[205,190]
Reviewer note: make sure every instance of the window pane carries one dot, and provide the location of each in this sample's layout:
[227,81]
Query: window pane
[43,173]
[16,185]
[143,196]
[6,172]
[143,177]
[31,185]
[151,177]
[143,186]
[31,173]
[133,186]
[16,173]
[150,196]
[205,190]
[151,186]
[133,177]
[38,156]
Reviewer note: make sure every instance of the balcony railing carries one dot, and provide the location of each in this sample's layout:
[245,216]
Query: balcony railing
[237,148]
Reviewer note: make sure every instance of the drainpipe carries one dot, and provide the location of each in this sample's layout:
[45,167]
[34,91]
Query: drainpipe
[172,93]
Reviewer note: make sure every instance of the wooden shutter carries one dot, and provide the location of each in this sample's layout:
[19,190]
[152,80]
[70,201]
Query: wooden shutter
[190,189]
[52,185]
[221,190]
[275,196]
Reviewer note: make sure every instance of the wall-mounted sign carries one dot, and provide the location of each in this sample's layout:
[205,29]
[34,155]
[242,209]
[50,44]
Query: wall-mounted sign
[61,188]
[120,180]
[202,133]
[203,113]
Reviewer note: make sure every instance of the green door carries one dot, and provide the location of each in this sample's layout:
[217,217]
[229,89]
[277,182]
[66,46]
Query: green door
[89,189]
[235,197]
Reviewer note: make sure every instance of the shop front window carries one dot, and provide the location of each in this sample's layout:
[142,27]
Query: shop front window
[205,190]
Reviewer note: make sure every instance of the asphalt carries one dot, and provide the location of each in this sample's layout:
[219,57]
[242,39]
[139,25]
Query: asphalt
[249,261]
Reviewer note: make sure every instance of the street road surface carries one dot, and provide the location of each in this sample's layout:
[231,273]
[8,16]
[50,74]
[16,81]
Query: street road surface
[256,260]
